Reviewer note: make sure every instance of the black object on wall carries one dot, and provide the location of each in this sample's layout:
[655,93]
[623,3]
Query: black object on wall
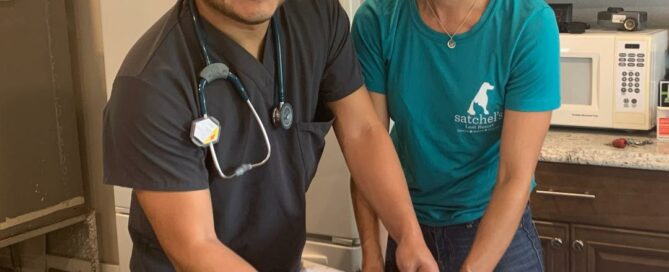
[563,14]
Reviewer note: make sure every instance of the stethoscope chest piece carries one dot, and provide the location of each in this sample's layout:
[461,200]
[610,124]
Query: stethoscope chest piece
[205,131]
[282,116]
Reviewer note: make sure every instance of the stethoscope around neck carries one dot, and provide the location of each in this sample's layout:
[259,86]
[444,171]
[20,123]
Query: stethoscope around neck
[205,131]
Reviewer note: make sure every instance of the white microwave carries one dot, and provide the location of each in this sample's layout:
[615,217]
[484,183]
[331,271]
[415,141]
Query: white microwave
[609,79]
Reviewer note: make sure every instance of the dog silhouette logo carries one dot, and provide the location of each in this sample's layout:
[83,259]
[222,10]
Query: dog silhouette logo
[481,99]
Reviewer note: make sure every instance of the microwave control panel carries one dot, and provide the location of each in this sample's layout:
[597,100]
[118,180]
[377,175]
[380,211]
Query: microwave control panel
[633,62]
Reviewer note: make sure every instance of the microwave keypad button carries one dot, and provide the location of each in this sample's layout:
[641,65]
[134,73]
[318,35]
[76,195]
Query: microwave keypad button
[639,65]
[633,100]
[630,64]
[627,100]
[624,73]
[622,55]
[624,84]
[637,90]
[631,55]
[636,79]
[636,85]
[622,64]
[640,60]
[631,59]
[623,90]
[641,55]
[622,59]
[637,74]
[624,79]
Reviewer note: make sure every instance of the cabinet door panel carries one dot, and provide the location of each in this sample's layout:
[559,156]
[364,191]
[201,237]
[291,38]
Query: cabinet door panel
[555,242]
[611,250]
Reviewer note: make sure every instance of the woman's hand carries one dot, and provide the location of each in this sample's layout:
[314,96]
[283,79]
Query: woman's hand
[413,256]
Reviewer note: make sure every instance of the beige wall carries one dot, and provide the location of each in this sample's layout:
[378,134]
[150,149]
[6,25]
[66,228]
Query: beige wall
[123,22]
[89,77]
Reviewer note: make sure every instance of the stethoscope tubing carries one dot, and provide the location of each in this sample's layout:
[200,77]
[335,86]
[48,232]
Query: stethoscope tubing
[244,167]
[279,60]
[236,82]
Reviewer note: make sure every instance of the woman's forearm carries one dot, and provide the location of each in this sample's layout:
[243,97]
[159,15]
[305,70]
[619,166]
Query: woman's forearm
[499,225]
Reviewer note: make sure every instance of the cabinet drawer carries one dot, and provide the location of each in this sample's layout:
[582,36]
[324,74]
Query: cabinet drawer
[605,196]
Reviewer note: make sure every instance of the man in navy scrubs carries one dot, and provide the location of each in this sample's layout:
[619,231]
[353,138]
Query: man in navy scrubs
[183,215]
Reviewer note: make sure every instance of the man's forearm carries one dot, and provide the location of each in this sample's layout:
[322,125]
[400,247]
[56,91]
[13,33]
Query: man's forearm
[378,176]
[368,228]
[498,226]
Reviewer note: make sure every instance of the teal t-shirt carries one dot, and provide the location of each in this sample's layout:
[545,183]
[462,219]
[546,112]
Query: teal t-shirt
[448,104]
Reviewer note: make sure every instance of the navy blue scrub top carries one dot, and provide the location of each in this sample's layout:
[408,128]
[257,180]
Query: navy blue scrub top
[147,121]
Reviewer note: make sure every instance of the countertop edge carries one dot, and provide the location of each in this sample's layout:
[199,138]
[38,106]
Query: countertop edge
[576,161]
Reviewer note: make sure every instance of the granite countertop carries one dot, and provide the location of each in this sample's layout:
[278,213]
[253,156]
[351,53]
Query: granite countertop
[593,147]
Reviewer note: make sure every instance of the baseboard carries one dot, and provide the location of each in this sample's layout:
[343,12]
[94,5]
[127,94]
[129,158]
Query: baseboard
[77,265]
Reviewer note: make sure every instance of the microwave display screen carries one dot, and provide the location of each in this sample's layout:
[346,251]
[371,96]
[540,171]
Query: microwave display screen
[576,81]
[632,46]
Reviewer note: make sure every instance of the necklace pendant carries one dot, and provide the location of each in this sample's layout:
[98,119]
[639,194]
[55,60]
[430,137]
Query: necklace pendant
[451,44]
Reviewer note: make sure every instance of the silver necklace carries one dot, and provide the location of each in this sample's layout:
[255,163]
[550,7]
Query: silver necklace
[451,42]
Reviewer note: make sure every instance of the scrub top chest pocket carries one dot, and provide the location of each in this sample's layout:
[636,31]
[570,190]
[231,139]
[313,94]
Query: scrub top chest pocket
[311,137]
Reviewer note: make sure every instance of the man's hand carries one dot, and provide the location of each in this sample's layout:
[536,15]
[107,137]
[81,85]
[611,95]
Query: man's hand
[413,255]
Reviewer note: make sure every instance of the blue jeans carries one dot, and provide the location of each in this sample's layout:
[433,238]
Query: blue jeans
[450,246]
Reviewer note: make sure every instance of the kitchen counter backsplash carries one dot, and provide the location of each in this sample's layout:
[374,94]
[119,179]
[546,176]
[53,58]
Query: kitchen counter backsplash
[593,147]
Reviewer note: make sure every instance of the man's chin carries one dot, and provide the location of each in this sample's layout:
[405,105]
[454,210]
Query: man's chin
[245,12]
[258,14]
[249,20]
[253,21]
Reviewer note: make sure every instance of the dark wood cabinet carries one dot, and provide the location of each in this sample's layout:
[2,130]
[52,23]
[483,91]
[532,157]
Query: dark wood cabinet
[608,249]
[601,219]
[555,242]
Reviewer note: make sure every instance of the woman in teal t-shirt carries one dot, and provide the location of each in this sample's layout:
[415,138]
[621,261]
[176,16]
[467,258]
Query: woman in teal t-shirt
[470,85]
